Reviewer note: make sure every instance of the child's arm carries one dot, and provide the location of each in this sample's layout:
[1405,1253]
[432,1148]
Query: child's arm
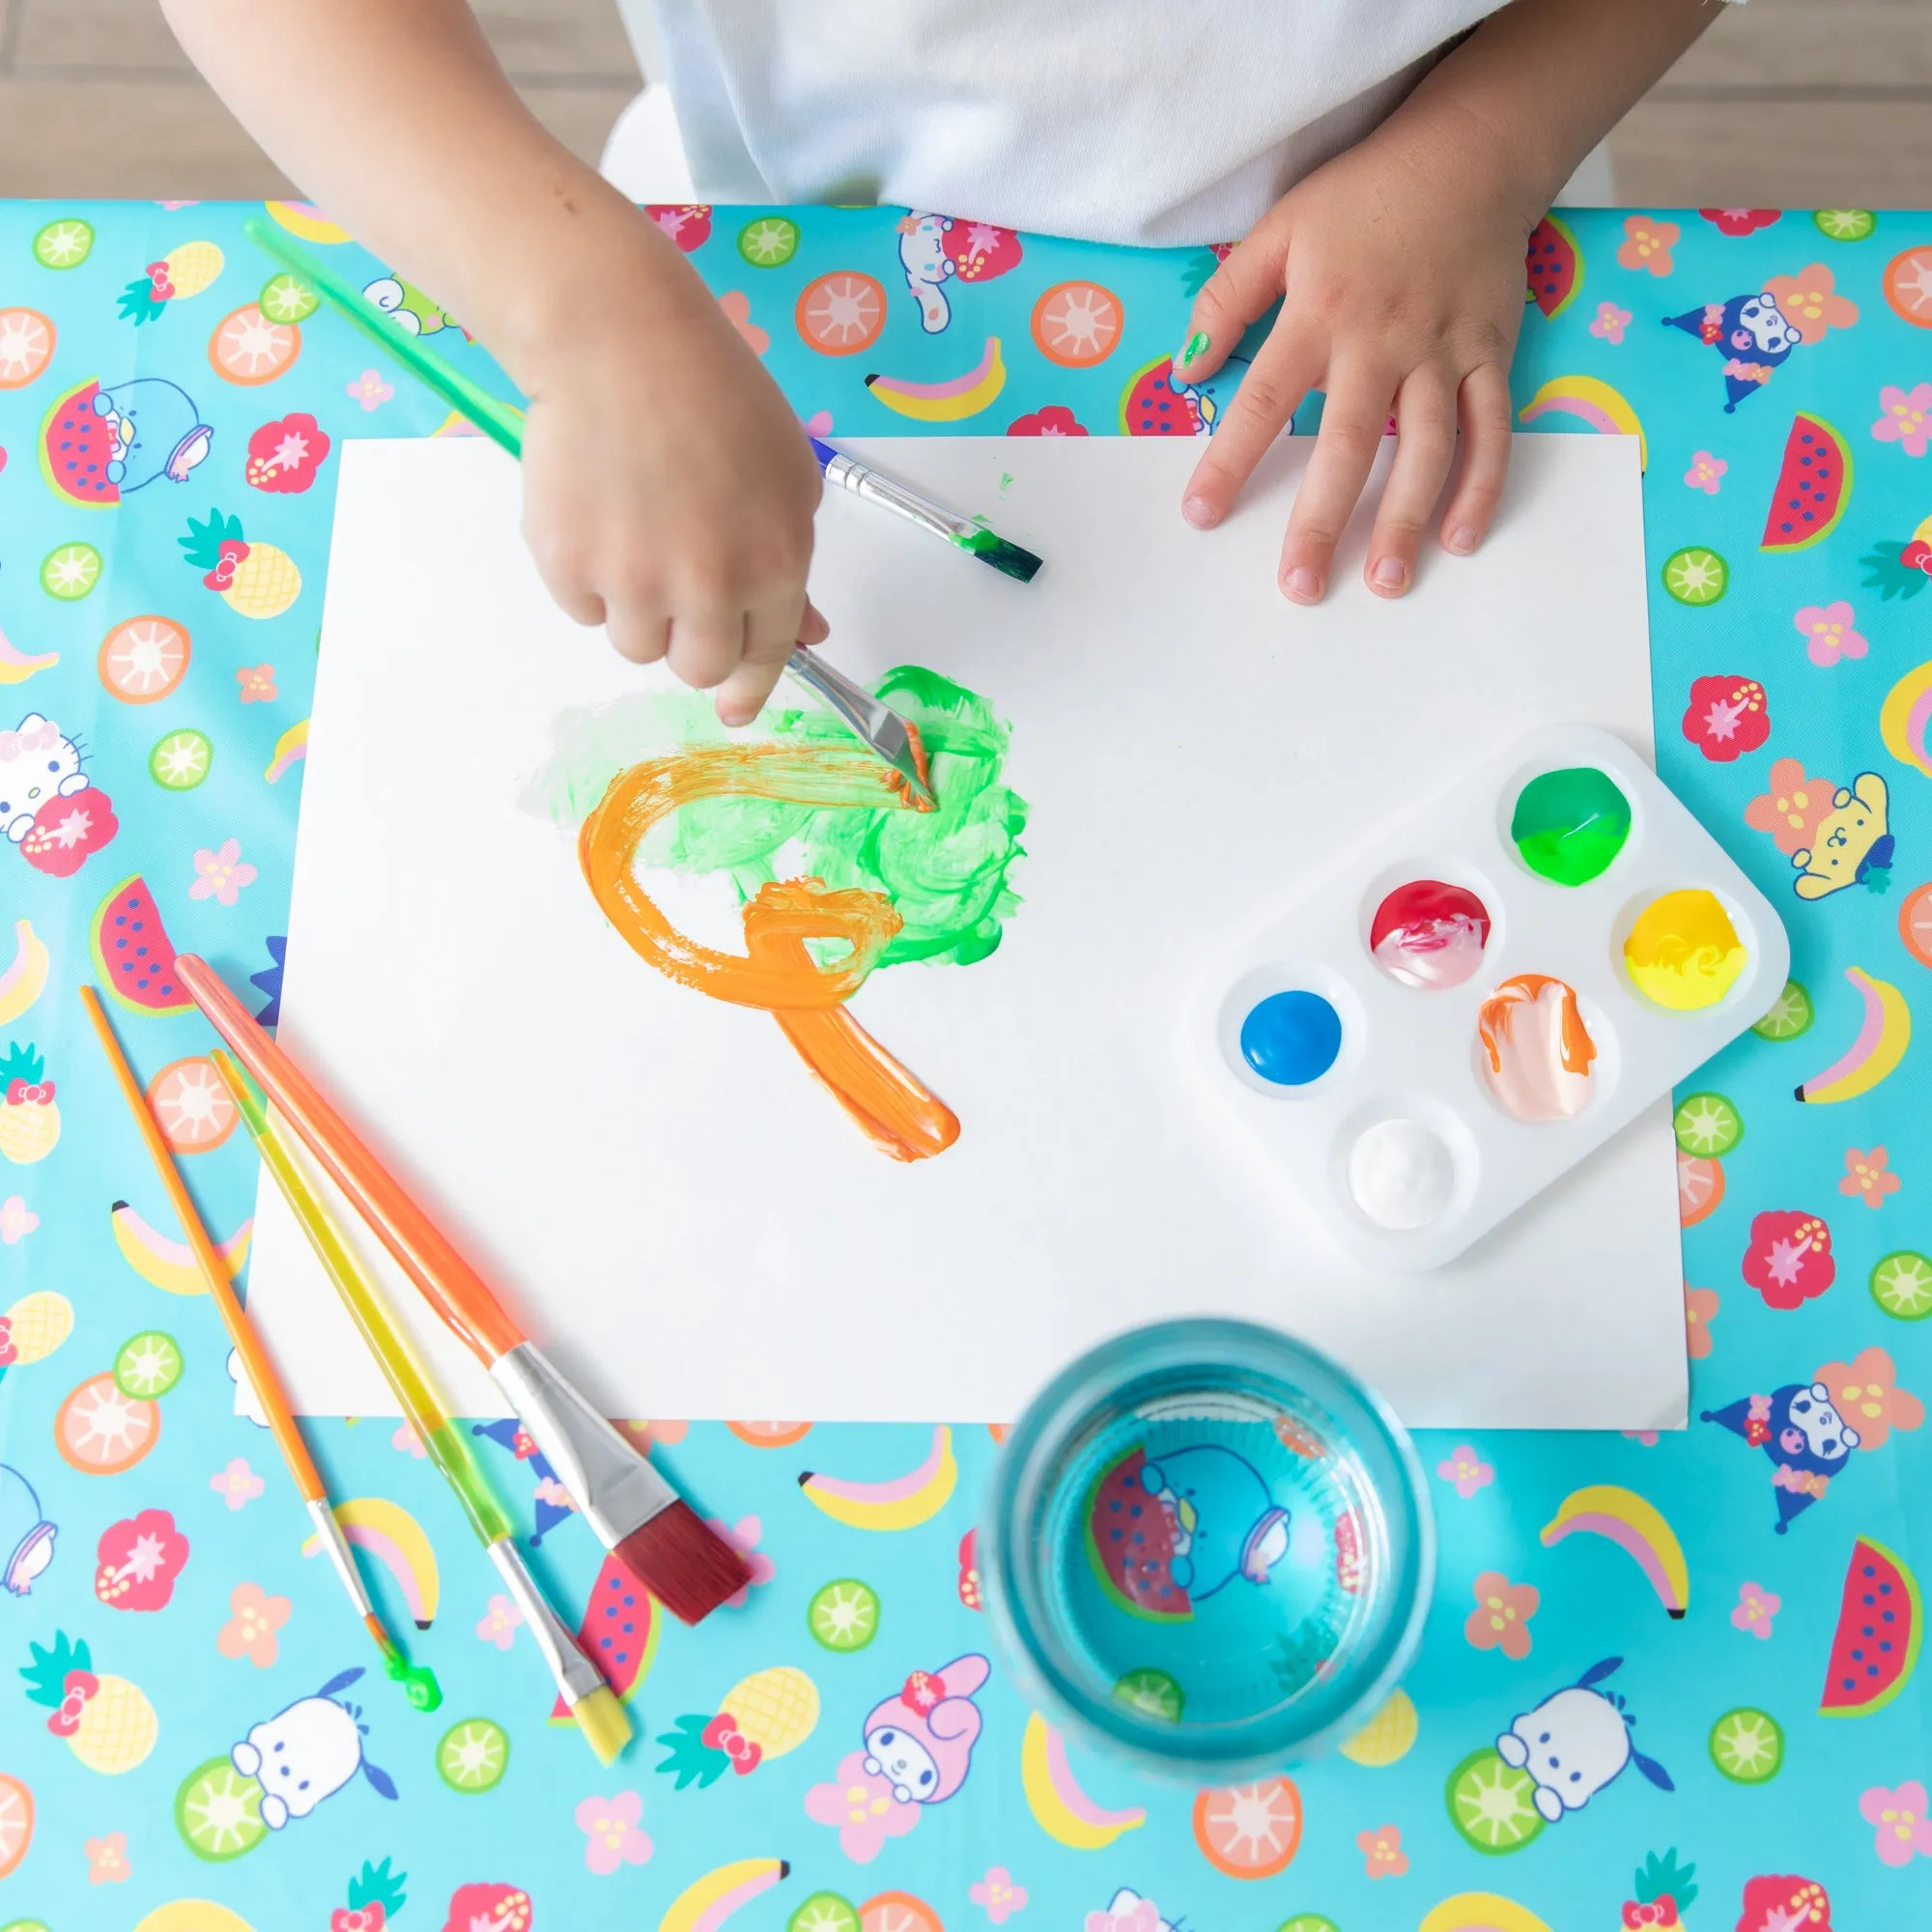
[1403,266]
[667,490]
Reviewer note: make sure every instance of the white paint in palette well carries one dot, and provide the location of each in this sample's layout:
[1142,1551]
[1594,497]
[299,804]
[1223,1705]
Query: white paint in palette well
[669,1198]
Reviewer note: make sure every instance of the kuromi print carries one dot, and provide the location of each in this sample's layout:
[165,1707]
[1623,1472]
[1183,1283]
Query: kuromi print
[1749,333]
[1808,1440]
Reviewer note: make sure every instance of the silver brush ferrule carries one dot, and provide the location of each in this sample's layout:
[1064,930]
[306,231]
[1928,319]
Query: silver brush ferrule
[335,1545]
[616,1490]
[577,1677]
[849,473]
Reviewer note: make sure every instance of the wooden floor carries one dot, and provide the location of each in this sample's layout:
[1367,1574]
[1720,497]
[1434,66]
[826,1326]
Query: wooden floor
[1784,103]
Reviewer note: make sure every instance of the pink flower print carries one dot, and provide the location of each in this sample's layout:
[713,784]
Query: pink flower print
[1907,419]
[1706,471]
[742,1537]
[1383,1853]
[369,389]
[1644,1439]
[499,1623]
[1609,324]
[1903,1828]
[1754,1610]
[998,1894]
[1867,1177]
[819,423]
[1500,1620]
[250,1632]
[107,1859]
[1700,1310]
[1827,629]
[257,682]
[1647,243]
[610,1833]
[860,1806]
[1808,298]
[1465,1470]
[1865,1393]
[408,1441]
[220,875]
[16,1220]
[737,308]
[654,1434]
[238,1484]
[1793,809]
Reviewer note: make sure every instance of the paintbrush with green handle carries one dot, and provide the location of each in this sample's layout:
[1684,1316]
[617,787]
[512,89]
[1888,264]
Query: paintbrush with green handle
[590,1700]
[876,724]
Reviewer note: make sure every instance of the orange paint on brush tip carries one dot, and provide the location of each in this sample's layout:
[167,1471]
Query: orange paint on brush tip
[924,766]
[897,1113]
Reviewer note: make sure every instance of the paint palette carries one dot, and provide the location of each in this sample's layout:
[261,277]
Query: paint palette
[1487,994]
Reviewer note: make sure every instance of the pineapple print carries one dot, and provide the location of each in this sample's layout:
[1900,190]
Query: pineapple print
[109,1724]
[30,1122]
[762,1715]
[1665,1892]
[256,579]
[33,1328]
[181,272]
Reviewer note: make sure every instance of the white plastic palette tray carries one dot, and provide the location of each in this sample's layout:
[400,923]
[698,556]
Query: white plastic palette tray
[1410,1053]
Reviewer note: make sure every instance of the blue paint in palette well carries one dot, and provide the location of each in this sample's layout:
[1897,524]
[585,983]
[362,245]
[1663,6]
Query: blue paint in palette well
[1292,1038]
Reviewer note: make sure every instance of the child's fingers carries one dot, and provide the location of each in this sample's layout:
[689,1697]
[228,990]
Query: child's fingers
[812,628]
[1269,394]
[1351,432]
[1484,404]
[1238,290]
[707,643]
[772,630]
[1424,448]
[639,633]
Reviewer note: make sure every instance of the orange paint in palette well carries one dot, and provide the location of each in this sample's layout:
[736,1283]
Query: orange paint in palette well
[777,972]
[1537,1054]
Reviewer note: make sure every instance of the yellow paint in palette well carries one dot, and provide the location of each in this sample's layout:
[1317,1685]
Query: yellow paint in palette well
[1683,952]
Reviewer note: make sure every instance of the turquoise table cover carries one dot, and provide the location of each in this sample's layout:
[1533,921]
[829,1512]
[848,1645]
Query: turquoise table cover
[1709,1636]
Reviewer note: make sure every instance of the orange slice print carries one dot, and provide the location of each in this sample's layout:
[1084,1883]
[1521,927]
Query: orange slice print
[26,346]
[1915,923]
[1908,286]
[1700,1186]
[897,1912]
[101,1432]
[841,314]
[16,1822]
[195,1110]
[1077,324]
[143,659]
[249,349]
[770,1435]
[1249,1831]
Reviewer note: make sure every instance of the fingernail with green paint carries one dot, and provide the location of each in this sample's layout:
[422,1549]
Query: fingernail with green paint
[1196,344]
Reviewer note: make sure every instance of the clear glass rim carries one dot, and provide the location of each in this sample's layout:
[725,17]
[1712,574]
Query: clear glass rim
[1009,1567]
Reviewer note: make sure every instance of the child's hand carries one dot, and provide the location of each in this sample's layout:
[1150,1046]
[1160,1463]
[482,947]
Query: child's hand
[668,493]
[1400,263]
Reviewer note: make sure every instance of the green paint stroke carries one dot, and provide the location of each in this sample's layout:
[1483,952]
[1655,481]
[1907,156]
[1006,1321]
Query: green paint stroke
[945,870]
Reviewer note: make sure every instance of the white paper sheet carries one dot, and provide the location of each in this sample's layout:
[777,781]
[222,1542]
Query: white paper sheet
[676,1207]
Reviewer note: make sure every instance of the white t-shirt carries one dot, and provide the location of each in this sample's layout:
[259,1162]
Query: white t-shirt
[1138,121]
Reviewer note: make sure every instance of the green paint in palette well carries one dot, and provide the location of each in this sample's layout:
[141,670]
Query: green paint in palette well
[1569,825]
[945,870]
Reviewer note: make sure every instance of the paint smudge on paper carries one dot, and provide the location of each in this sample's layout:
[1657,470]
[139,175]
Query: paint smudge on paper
[835,874]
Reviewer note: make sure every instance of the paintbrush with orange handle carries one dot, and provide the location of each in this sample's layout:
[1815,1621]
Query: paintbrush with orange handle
[418,1679]
[651,1530]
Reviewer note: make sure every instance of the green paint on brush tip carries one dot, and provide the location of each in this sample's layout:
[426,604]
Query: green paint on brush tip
[946,871]
[419,1682]
[989,547]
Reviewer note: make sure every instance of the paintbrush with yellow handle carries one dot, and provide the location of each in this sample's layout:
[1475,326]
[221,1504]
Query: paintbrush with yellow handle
[590,1700]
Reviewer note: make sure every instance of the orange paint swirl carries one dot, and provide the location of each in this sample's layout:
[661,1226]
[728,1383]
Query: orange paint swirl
[898,1114]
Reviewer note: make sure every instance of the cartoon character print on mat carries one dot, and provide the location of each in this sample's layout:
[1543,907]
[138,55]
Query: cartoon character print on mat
[1808,1440]
[935,249]
[38,762]
[408,307]
[26,1533]
[308,1752]
[1575,1743]
[1129,1912]
[99,445]
[921,1739]
[553,1500]
[1853,844]
[1750,333]
[1221,1517]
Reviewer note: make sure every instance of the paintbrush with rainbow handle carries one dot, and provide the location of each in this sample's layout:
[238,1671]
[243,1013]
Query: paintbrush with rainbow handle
[580,1685]
[651,1530]
[880,728]
[418,1680]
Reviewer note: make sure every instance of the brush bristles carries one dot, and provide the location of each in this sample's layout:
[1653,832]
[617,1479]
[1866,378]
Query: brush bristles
[689,1568]
[1008,558]
[604,1722]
